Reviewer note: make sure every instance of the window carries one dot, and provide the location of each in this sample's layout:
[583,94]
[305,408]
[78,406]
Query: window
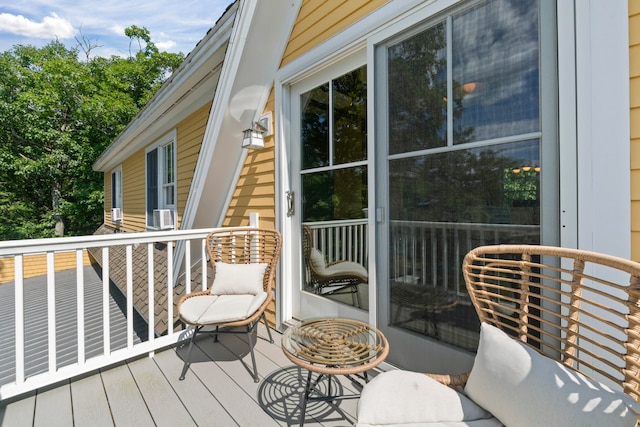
[161,183]
[333,136]
[116,188]
[116,195]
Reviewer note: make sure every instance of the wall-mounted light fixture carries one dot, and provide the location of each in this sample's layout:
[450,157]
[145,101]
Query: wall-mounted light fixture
[253,138]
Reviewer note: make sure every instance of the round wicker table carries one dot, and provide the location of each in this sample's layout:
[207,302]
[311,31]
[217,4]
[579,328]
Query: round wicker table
[333,346]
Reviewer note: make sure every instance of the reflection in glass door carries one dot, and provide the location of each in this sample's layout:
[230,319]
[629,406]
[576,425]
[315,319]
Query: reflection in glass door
[333,191]
[462,158]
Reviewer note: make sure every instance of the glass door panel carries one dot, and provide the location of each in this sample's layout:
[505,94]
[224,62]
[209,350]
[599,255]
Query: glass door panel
[460,152]
[333,194]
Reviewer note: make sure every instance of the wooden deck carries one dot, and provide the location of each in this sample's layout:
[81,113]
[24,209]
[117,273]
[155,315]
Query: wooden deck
[217,391]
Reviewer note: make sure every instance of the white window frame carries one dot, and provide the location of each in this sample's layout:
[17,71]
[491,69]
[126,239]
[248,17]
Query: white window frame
[160,144]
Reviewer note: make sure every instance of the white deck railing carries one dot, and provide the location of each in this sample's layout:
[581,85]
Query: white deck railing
[179,253]
[424,252]
[421,252]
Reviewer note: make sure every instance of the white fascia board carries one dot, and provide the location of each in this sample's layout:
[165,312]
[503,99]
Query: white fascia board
[255,49]
[191,86]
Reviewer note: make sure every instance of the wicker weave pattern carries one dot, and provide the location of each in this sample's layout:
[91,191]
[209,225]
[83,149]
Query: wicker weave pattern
[335,346]
[578,307]
[243,245]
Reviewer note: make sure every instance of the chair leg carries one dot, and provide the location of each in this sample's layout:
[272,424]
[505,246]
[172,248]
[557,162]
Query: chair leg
[187,362]
[256,379]
[355,295]
[264,318]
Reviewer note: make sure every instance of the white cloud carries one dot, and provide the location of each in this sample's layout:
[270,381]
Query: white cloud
[50,27]
[165,46]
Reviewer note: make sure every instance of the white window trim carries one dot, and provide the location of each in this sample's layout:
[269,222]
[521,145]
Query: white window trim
[168,138]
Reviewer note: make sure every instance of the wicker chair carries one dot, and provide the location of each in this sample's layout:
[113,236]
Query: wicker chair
[567,326]
[334,278]
[243,262]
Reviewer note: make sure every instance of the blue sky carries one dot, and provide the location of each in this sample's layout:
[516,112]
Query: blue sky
[175,26]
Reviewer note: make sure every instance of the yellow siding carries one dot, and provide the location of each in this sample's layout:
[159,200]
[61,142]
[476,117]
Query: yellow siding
[133,194]
[319,20]
[189,135]
[36,265]
[634,71]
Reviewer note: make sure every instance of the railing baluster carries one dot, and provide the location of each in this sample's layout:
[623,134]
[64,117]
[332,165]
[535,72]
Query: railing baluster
[129,268]
[19,313]
[151,292]
[187,267]
[170,288]
[80,305]
[445,259]
[51,310]
[106,315]
[434,255]
[204,265]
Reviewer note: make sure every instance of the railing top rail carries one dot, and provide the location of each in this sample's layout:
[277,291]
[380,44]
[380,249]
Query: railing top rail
[60,244]
[466,225]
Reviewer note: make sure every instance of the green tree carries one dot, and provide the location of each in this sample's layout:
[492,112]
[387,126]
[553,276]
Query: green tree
[57,114]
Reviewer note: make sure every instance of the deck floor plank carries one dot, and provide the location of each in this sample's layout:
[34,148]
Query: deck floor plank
[18,412]
[194,395]
[53,407]
[225,354]
[126,402]
[160,397]
[89,400]
[238,402]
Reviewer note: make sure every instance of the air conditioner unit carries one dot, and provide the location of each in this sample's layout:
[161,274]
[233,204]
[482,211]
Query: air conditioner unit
[163,218]
[116,215]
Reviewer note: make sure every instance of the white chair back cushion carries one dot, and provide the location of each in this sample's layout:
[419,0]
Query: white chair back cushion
[523,388]
[238,279]
[317,261]
[402,397]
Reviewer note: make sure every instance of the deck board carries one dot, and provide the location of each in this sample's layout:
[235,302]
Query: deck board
[127,404]
[204,408]
[218,390]
[158,395]
[19,413]
[53,407]
[89,400]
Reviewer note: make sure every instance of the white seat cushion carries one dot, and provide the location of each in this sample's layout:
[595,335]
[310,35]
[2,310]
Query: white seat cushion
[521,387]
[346,267]
[413,399]
[238,279]
[214,309]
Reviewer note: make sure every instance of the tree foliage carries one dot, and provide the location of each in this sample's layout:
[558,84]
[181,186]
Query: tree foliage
[57,114]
